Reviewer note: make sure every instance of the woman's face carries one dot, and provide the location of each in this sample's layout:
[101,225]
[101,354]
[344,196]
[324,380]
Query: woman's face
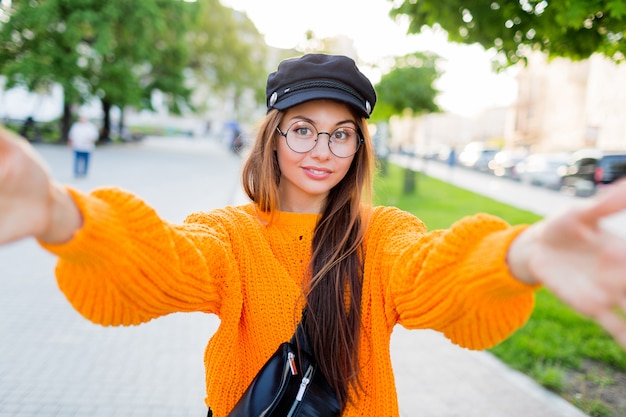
[306,178]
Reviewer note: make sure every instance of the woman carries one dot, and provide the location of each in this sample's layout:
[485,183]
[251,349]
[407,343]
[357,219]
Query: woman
[310,237]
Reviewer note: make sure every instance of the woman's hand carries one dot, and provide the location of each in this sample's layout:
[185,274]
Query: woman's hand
[30,203]
[580,261]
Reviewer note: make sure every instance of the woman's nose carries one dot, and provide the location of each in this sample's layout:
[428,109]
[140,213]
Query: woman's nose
[322,150]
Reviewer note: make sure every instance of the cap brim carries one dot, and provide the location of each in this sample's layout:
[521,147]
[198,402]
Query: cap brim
[299,97]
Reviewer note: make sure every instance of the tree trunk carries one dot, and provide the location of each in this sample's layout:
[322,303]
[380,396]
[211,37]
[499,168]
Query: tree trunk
[105,132]
[120,124]
[410,181]
[411,177]
[66,121]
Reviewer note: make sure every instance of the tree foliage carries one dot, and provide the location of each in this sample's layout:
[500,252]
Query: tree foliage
[227,50]
[574,28]
[409,86]
[119,51]
[37,48]
[122,51]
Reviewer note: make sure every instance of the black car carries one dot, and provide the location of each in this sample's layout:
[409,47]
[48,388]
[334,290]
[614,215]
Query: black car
[590,170]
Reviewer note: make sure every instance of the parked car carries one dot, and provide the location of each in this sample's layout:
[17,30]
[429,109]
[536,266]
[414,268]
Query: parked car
[504,163]
[591,169]
[543,169]
[477,159]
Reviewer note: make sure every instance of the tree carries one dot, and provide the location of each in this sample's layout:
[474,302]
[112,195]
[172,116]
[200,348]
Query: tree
[119,51]
[227,51]
[409,86]
[123,51]
[38,49]
[574,29]
[408,89]
[143,50]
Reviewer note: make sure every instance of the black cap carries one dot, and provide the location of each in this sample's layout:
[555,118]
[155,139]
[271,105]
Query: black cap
[319,76]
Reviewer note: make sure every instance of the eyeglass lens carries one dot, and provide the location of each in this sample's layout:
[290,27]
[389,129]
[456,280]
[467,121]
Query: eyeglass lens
[302,137]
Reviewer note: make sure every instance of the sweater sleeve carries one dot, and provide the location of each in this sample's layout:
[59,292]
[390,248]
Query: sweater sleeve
[127,266]
[456,281]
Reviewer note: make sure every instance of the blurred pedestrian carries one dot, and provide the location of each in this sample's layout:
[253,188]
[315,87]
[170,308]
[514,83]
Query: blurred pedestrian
[452,157]
[83,136]
[29,129]
[310,237]
[236,141]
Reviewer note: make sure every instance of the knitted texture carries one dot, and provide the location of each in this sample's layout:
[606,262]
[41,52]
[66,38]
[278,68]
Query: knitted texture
[127,266]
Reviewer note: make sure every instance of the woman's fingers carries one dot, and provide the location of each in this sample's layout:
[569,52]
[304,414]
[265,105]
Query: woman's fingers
[610,201]
[8,140]
[13,146]
[25,187]
[614,322]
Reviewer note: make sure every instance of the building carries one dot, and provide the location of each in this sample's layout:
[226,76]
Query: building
[565,105]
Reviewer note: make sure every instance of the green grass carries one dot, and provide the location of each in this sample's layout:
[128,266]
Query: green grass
[556,338]
[439,204]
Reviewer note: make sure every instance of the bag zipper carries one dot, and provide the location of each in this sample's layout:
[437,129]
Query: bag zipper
[287,369]
[306,380]
[291,358]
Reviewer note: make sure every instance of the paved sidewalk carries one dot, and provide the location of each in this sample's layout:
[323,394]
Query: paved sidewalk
[55,363]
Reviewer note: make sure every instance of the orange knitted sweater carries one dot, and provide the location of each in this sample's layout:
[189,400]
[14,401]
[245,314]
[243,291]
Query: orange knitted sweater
[230,263]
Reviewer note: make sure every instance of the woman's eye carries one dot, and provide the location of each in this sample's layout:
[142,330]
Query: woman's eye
[303,131]
[342,134]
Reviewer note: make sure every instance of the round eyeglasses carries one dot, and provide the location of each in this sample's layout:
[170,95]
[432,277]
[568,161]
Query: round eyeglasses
[302,137]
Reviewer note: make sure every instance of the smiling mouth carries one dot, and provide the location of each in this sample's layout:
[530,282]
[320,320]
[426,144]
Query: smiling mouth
[317,171]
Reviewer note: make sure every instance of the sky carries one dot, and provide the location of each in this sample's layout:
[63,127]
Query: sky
[467,85]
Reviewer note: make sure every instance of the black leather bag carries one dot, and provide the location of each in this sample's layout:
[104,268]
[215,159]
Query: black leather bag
[290,384]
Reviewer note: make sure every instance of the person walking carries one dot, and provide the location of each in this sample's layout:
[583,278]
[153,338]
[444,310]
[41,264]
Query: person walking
[83,136]
[311,238]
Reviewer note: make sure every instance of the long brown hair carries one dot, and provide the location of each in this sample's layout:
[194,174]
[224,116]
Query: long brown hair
[334,293]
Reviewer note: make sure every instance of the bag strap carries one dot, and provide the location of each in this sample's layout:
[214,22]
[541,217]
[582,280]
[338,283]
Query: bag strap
[300,338]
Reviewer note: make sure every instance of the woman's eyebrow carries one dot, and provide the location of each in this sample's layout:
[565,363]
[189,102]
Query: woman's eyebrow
[346,121]
[308,119]
[299,118]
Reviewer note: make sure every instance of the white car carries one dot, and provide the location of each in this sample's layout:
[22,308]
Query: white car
[543,169]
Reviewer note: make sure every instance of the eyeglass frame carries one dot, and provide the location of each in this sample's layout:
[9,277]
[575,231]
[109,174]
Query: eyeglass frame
[359,142]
